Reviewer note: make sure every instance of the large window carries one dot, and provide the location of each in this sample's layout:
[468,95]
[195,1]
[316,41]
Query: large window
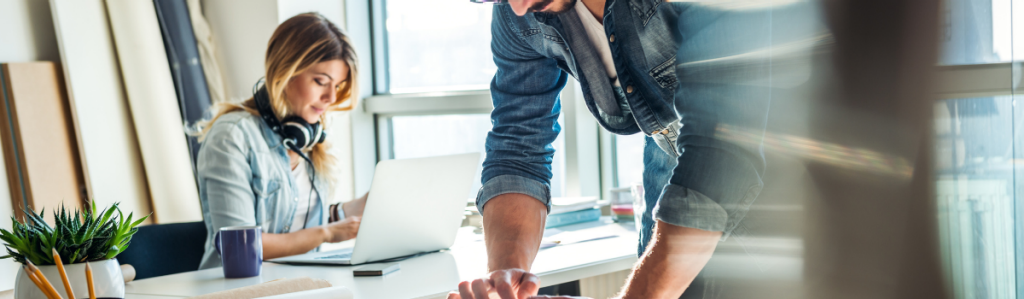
[977,145]
[431,80]
[429,52]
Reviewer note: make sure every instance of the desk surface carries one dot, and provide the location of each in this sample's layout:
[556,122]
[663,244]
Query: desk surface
[428,276]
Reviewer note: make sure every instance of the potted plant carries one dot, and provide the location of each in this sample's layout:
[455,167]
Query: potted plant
[93,237]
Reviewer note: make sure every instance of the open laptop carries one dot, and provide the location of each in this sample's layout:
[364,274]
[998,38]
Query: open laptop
[415,206]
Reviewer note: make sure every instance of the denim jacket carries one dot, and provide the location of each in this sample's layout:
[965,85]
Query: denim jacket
[245,179]
[715,181]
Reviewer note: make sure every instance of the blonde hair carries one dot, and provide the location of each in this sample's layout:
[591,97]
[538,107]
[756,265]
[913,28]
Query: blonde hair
[296,45]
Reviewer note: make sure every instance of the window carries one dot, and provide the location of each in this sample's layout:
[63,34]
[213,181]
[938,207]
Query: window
[977,141]
[431,75]
[629,159]
[975,32]
[429,52]
[974,150]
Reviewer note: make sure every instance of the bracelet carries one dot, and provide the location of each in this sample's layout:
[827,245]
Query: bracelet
[334,213]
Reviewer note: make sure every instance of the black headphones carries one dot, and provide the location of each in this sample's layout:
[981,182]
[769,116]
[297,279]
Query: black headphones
[299,136]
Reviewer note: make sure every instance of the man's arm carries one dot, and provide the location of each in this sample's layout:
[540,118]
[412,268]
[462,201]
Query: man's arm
[513,227]
[672,260]
[516,174]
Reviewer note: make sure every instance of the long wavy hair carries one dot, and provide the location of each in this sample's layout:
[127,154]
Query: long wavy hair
[296,45]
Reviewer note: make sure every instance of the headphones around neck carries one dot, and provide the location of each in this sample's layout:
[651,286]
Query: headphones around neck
[297,134]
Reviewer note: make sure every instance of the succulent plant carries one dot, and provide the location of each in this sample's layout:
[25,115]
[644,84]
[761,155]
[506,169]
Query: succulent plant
[78,237]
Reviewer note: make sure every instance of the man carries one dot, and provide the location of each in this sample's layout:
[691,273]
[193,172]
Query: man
[624,54]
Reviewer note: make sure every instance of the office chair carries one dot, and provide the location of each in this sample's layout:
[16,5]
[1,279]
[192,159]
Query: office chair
[164,249]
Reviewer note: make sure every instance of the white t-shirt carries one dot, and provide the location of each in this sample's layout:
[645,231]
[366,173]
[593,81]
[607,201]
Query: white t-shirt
[301,177]
[598,37]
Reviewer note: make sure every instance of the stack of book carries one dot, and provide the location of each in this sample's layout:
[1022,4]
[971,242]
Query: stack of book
[572,210]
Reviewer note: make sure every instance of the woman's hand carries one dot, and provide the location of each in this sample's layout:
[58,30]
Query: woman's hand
[342,230]
[355,207]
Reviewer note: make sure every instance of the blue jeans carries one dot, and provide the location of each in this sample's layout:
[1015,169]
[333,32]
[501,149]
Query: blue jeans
[658,167]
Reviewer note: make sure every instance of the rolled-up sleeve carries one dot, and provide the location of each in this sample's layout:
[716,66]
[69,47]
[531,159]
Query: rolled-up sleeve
[719,172]
[525,93]
[505,184]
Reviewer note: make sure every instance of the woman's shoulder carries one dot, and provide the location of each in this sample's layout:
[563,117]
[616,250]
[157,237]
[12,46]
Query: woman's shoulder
[234,125]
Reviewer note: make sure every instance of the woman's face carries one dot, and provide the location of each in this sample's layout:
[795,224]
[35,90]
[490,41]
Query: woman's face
[311,92]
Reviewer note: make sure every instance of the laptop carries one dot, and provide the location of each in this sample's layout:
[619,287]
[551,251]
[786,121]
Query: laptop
[415,206]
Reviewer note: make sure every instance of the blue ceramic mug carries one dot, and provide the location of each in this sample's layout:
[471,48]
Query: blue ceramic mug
[241,250]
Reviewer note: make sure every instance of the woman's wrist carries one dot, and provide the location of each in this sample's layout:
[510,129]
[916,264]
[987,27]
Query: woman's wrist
[325,234]
[342,206]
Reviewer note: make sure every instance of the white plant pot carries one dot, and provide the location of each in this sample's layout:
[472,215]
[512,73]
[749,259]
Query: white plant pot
[106,276]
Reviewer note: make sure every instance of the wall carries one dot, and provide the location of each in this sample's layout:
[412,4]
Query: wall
[27,36]
[241,29]
[93,79]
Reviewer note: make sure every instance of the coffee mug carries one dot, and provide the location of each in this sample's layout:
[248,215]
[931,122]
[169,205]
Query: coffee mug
[241,250]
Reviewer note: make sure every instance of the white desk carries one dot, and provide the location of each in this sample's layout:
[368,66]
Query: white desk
[428,276]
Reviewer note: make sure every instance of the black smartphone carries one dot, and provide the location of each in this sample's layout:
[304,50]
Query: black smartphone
[375,269]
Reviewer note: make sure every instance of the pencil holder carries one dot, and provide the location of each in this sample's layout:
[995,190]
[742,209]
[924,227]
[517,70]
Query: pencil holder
[106,277]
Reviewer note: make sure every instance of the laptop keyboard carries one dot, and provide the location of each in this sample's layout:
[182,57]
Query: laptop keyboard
[341,255]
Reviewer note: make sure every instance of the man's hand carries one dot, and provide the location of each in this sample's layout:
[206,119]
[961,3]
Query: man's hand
[513,227]
[557,297]
[507,284]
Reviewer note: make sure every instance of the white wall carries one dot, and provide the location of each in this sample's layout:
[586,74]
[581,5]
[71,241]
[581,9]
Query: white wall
[93,79]
[241,29]
[27,36]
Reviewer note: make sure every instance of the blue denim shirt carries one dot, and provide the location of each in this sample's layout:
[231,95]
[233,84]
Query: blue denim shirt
[715,180]
[245,179]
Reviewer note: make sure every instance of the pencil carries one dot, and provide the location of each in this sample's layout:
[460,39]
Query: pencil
[63,274]
[32,276]
[52,293]
[88,280]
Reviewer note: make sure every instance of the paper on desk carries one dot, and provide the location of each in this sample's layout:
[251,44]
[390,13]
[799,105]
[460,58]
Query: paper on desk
[324,293]
[566,238]
[270,288]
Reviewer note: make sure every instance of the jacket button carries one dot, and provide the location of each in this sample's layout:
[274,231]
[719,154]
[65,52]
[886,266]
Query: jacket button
[629,89]
[611,39]
[296,199]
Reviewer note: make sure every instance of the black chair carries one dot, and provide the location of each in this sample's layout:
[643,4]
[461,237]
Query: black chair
[164,249]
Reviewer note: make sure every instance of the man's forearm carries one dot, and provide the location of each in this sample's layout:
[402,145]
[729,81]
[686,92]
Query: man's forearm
[513,228]
[672,260]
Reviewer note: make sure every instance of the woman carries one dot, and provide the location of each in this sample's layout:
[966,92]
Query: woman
[248,173]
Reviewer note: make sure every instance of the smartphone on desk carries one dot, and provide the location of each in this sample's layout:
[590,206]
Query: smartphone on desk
[375,269]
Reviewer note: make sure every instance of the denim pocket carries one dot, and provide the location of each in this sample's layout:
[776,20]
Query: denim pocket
[645,9]
[665,73]
[265,188]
